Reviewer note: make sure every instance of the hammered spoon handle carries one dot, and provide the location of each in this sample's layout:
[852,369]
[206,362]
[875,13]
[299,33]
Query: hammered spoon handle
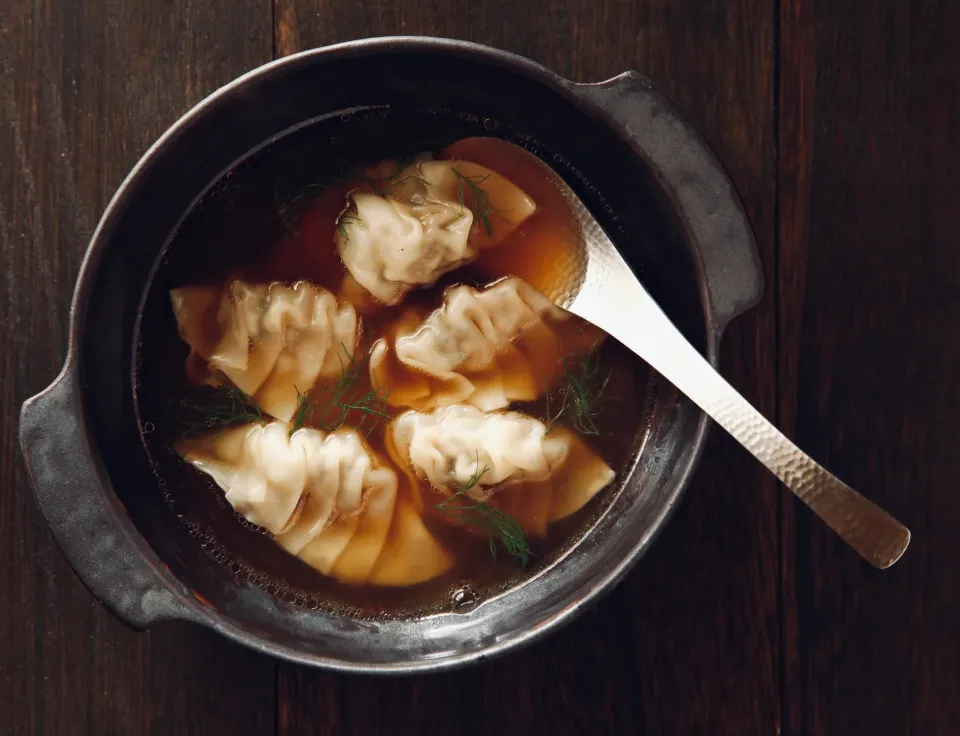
[602,289]
[612,298]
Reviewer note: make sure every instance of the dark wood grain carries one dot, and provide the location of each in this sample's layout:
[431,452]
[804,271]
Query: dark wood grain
[689,643]
[84,89]
[838,122]
[869,276]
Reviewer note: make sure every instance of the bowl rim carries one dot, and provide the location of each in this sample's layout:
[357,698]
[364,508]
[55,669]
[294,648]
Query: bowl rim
[194,608]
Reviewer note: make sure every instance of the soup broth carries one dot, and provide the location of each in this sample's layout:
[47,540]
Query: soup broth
[273,219]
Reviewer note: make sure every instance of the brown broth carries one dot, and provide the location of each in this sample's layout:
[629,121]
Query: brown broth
[232,232]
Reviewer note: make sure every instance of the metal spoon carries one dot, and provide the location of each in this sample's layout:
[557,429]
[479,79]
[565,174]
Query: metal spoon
[610,296]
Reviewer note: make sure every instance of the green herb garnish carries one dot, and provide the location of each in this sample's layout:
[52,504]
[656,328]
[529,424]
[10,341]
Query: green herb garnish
[479,199]
[393,177]
[293,197]
[344,173]
[345,220]
[581,394]
[500,527]
[228,407]
[329,410]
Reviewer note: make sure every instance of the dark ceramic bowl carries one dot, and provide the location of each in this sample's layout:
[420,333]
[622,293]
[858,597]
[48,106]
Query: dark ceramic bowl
[650,180]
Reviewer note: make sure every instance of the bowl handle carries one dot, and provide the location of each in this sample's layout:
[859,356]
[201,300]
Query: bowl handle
[696,182]
[89,524]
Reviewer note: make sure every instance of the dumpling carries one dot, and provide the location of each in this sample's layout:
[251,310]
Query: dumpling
[261,473]
[432,217]
[505,457]
[486,347]
[326,498]
[448,446]
[270,341]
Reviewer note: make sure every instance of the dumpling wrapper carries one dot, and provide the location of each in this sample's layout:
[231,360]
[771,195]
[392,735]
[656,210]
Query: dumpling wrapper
[502,208]
[323,551]
[356,562]
[261,474]
[536,477]
[411,554]
[430,220]
[583,476]
[486,347]
[326,497]
[529,504]
[450,446]
[270,341]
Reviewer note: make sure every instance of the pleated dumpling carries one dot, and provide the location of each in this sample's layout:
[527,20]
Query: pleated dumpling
[429,219]
[507,458]
[271,341]
[327,499]
[486,347]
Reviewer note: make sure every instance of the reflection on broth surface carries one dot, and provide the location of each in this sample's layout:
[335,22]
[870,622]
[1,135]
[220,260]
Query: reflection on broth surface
[378,405]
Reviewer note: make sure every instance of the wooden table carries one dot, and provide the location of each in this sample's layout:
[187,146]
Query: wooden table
[838,121]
